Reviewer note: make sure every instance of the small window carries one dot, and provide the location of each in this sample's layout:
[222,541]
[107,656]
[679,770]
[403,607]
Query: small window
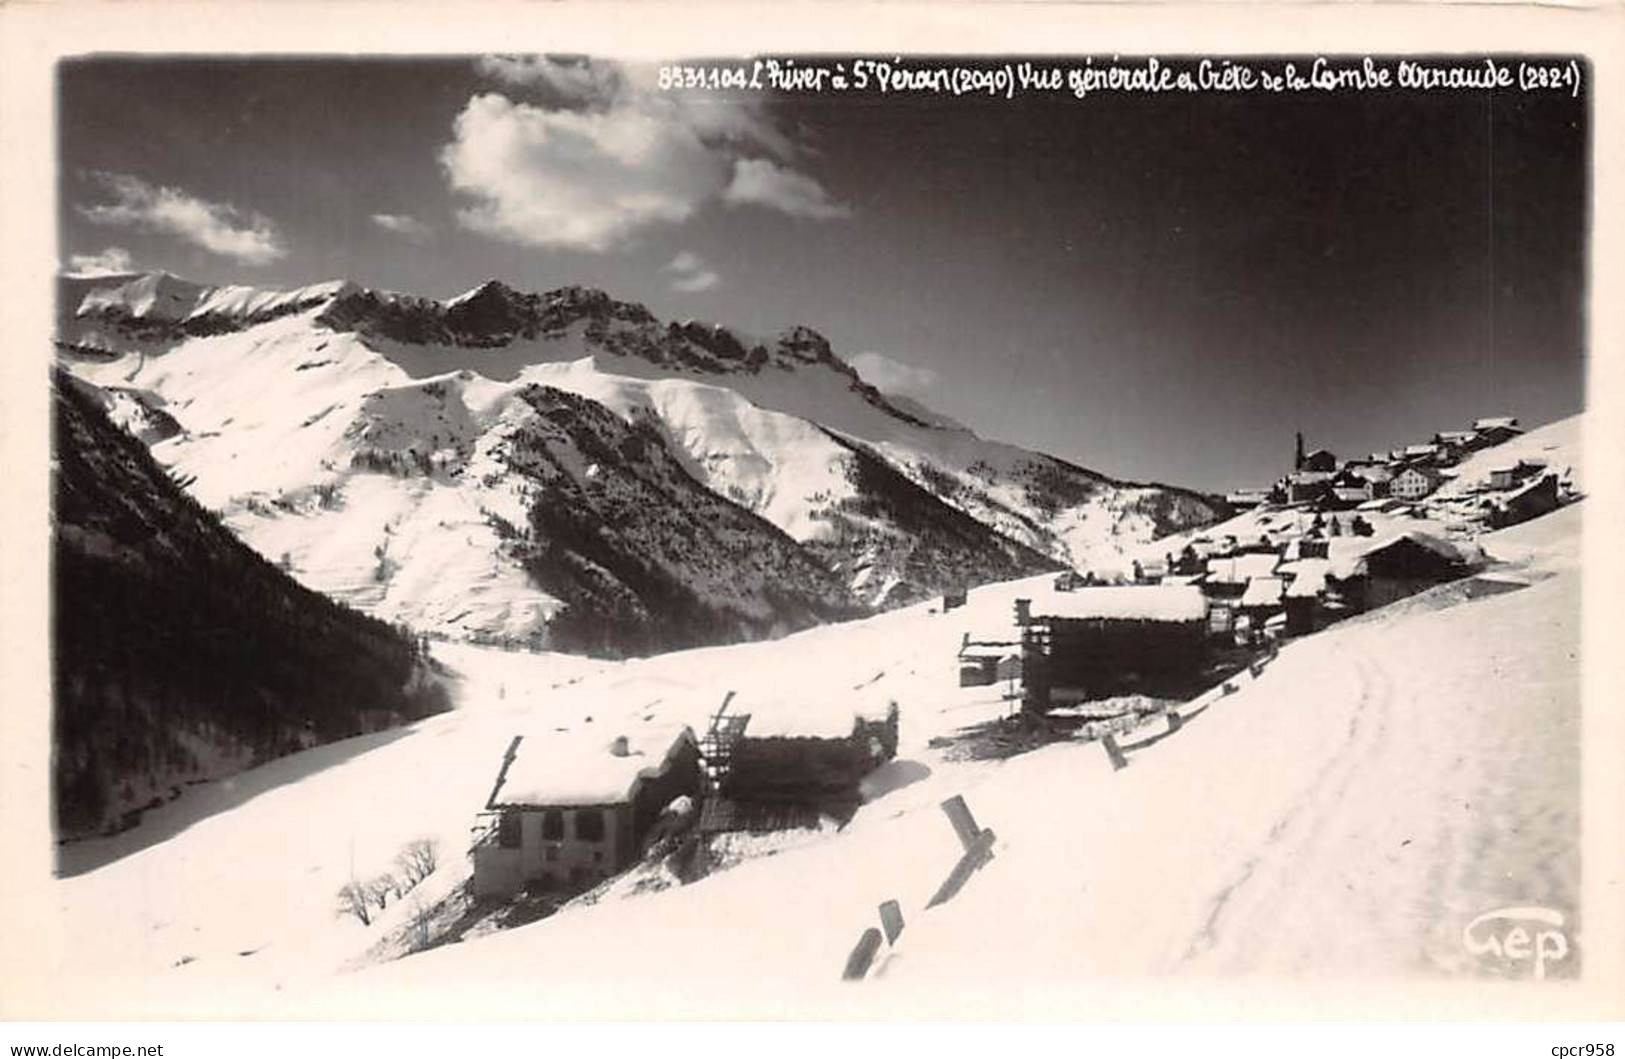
[598,856]
[590,825]
[553,824]
[508,829]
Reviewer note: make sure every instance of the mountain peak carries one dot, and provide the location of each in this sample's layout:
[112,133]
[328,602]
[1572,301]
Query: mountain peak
[491,289]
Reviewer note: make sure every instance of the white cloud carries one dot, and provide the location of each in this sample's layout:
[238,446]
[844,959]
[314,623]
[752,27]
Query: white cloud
[889,375]
[760,182]
[691,274]
[602,155]
[579,81]
[402,224]
[580,179]
[109,262]
[217,227]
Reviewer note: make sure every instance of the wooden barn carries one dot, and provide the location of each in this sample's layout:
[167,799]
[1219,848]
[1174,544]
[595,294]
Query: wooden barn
[1302,598]
[566,813]
[1375,573]
[790,758]
[1534,499]
[1098,642]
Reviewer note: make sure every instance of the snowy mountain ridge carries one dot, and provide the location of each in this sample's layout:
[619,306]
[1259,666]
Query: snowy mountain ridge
[373,444]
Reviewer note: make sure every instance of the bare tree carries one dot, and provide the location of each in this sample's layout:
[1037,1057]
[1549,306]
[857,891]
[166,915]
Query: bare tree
[380,888]
[353,902]
[418,860]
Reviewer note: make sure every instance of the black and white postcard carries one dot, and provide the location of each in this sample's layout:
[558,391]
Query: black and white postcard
[536,519]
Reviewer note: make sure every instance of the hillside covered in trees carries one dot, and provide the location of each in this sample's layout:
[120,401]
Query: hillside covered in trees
[179,653]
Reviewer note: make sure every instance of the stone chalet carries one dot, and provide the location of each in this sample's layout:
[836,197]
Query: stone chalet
[568,811]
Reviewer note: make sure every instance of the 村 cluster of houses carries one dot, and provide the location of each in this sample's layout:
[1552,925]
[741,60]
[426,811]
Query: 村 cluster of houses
[1383,480]
[1090,640]
[1332,540]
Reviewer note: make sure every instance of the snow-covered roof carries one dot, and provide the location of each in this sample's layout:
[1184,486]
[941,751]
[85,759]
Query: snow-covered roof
[582,768]
[988,650]
[1263,592]
[1425,449]
[1493,422]
[992,635]
[1348,555]
[1532,485]
[1240,568]
[1135,602]
[1308,576]
[832,713]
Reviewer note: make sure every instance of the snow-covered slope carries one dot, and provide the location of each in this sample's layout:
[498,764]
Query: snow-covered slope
[1342,816]
[180,655]
[1558,446]
[305,415]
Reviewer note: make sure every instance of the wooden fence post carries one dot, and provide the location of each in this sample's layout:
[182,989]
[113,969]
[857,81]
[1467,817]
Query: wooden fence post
[863,954]
[1175,721]
[960,816]
[978,844]
[891,920]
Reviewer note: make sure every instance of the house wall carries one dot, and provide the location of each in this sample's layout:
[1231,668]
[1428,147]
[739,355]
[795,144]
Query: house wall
[1300,615]
[496,870]
[804,769]
[565,862]
[1096,652]
[1410,485]
[1395,572]
[1536,501]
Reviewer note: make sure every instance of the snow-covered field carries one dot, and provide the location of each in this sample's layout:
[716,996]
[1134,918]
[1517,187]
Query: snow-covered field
[1342,817]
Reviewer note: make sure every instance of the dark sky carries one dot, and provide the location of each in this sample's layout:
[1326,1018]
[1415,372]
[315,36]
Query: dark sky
[1159,286]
